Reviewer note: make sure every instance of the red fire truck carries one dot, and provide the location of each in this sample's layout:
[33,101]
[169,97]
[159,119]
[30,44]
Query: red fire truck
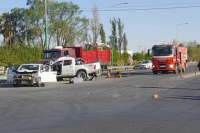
[169,58]
[77,52]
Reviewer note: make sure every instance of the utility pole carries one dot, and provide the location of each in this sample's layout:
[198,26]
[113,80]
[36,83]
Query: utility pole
[46,27]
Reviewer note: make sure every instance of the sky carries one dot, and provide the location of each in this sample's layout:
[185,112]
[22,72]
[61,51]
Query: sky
[146,22]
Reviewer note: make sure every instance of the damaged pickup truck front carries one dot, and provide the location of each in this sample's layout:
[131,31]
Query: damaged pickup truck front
[31,74]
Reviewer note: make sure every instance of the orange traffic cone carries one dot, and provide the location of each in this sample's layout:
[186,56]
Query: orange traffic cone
[108,74]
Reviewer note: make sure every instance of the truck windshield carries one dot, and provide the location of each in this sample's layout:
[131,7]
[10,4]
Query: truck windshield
[51,54]
[162,51]
[29,67]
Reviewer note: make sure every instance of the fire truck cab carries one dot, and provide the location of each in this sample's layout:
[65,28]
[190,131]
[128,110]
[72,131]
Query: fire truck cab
[169,58]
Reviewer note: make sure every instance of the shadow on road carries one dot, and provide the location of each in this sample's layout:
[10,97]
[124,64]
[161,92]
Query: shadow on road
[186,97]
[170,88]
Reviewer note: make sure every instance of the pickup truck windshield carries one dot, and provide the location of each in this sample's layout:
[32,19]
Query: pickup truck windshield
[29,67]
[51,54]
[162,51]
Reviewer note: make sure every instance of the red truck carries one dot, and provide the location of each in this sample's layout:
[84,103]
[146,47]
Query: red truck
[77,52]
[167,57]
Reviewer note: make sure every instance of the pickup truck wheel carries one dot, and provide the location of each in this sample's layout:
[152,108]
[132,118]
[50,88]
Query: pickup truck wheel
[39,83]
[42,85]
[83,75]
[98,73]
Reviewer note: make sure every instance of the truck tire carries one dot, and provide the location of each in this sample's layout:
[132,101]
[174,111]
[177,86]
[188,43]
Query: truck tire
[83,75]
[39,83]
[98,73]
[155,72]
[176,69]
[42,84]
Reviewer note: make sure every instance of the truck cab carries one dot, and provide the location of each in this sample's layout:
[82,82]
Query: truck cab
[57,52]
[168,57]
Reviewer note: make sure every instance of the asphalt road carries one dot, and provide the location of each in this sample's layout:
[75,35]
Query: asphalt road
[116,105]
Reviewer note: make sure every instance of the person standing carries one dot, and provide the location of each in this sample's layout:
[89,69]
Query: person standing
[198,65]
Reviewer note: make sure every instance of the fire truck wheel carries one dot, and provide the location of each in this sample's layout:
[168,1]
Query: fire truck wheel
[155,72]
[176,69]
[83,75]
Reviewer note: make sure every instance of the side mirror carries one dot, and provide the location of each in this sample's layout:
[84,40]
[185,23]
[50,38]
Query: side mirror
[148,52]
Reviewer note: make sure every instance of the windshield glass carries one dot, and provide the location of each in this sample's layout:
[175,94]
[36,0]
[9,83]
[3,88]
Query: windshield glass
[51,54]
[162,51]
[29,67]
[145,62]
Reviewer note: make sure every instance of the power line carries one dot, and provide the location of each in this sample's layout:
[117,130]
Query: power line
[144,9]
[130,8]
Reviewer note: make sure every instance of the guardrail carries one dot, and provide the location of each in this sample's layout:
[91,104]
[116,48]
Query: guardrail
[120,67]
[192,63]
[135,66]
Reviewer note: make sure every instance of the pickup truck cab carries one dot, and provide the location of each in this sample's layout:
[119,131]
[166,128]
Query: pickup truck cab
[69,67]
[30,74]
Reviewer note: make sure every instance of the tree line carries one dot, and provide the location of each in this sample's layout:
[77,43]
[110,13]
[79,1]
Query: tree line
[25,28]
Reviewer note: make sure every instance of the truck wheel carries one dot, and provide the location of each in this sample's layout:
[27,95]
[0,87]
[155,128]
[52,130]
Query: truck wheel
[42,84]
[39,83]
[176,69]
[98,73]
[155,72]
[83,75]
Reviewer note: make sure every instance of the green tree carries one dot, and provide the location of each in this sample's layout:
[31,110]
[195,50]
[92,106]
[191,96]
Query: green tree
[138,57]
[102,34]
[36,21]
[65,22]
[114,33]
[120,32]
[125,42]
[18,54]
[126,58]
[6,27]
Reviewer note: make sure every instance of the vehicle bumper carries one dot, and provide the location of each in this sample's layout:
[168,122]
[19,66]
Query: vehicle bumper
[170,67]
[25,81]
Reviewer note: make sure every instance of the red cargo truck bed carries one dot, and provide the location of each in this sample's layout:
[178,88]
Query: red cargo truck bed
[93,55]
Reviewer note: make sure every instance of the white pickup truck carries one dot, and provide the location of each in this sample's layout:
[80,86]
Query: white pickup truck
[30,74]
[69,67]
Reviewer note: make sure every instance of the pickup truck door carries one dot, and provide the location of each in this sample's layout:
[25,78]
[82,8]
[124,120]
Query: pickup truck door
[68,67]
[11,72]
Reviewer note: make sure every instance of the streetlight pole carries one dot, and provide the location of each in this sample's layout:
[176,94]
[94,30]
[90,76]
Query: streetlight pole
[111,37]
[181,72]
[177,32]
[46,27]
